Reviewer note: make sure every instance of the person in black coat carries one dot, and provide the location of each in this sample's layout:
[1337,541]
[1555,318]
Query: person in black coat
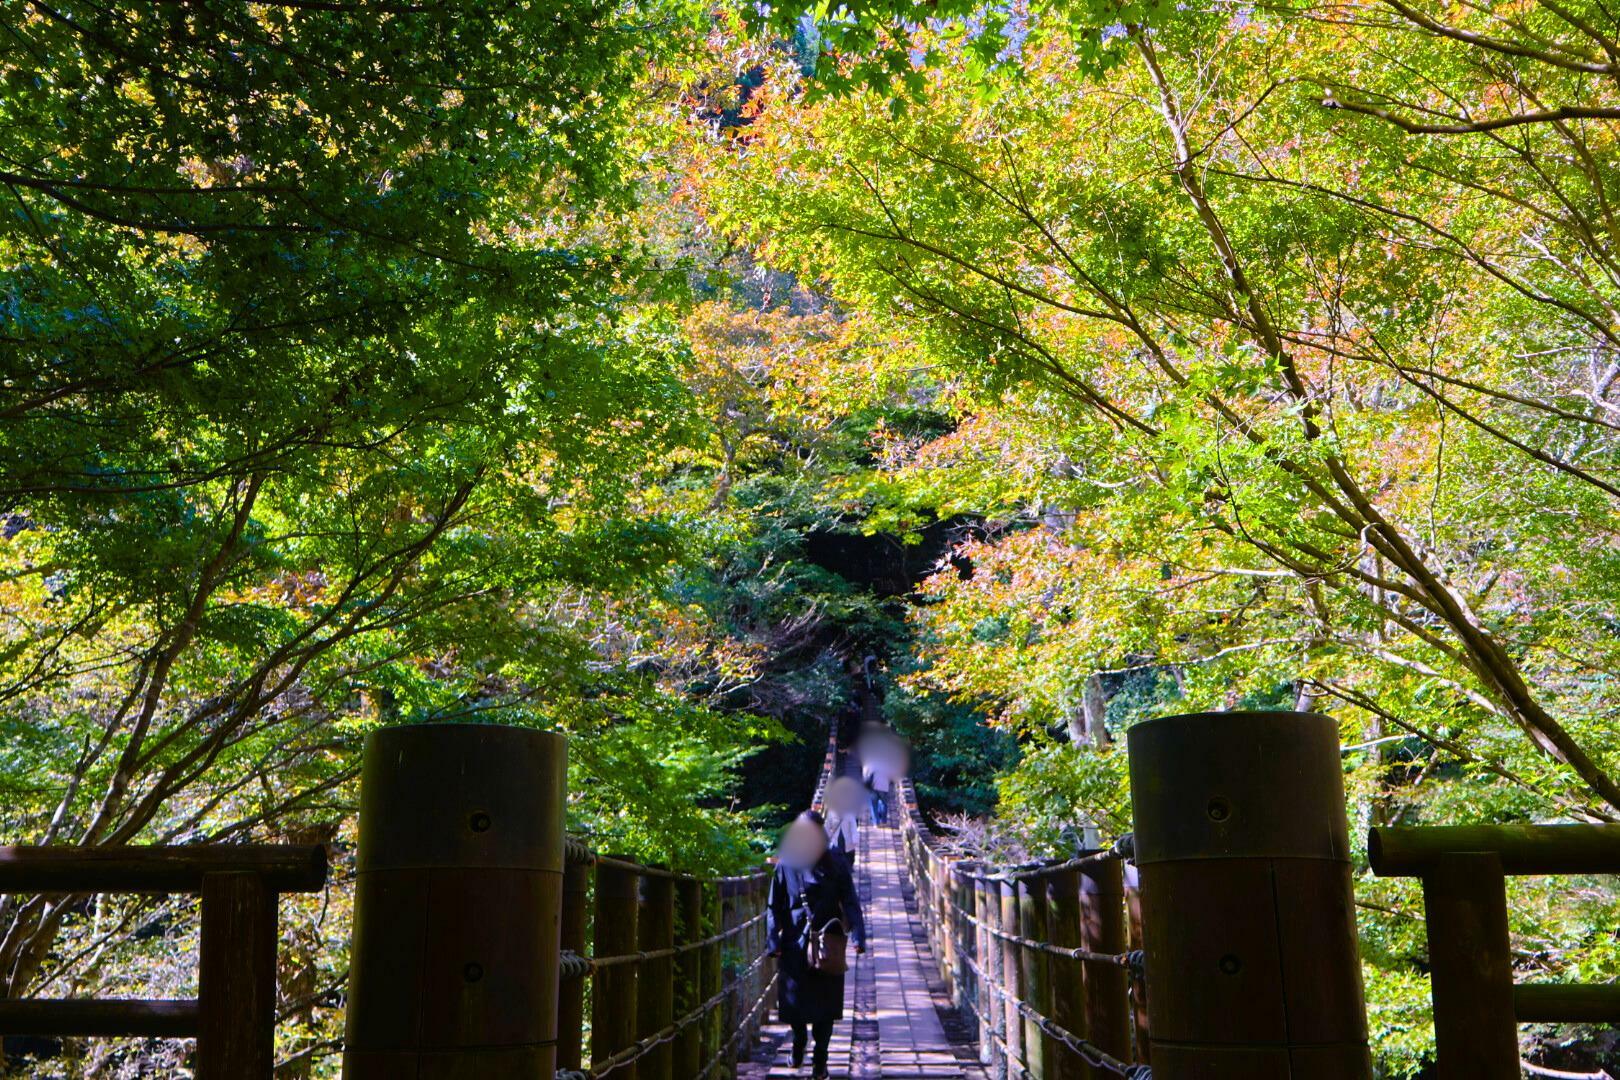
[812,887]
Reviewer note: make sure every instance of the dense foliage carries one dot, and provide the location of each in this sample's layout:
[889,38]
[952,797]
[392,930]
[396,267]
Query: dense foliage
[690,380]
[1279,343]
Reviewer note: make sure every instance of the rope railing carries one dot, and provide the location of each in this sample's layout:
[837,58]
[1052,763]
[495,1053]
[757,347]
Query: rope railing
[657,942]
[1082,861]
[1089,1052]
[660,939]
[829,772]
[1011,943]
[750,1019]
[643,1047]
[575,965]
[1131,961]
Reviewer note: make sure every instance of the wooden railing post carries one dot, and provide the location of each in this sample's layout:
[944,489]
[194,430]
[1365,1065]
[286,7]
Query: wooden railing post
[732,1013]
[1248,916]
[1011,980]
[763,978]
[768,970]
[1071,983]
[713,976]
[571,993]
[1103,930]
[236,979]
[750,951]
[963,991]
[992,1038]
[942,888]
[1034,971]
[614,991]
[655,1001]
[689,975]
[458,903]
[1471,968]
[1143,1051]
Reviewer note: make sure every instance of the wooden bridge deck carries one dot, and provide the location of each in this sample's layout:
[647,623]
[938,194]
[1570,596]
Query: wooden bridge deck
[892,1028]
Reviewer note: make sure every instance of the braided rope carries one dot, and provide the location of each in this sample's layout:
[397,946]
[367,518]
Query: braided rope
[1089,1052]
[594,963]
[738,1031]
[1132,961]
[640,1049]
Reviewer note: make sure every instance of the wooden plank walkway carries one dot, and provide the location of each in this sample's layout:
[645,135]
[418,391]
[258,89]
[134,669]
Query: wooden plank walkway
[892,1028]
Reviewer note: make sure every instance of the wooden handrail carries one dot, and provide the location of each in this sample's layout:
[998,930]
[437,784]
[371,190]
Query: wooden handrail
[283,868]
[1523,849]
[233,1017]
[1550,1003]
[77,1017]
[1464,869]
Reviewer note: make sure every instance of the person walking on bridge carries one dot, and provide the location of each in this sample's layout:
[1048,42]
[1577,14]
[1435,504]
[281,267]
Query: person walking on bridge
[812,889]
[884,763]
[847,801]
[881,780]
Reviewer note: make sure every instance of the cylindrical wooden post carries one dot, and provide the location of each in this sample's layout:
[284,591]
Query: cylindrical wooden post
[1476,1032]
[1102,930]
[1011,979]
[655,1000]
[689,975]
[1034,971]
[571,995]
[236,980]
[713,976]
[1248,917]
[734,1002]
[614,993]
[942,889]
[993,1048]
[1071,983]
[458,904]
[1141,1047]
[963,994]
[746,910]
[762,978]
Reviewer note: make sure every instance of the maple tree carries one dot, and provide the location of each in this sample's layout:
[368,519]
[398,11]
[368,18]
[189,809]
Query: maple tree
[1279,345]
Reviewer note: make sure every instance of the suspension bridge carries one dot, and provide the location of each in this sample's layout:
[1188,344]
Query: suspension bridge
[1217,942]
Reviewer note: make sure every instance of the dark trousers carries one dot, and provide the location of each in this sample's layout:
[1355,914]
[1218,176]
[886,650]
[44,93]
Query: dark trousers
[801,1035]
[880,807]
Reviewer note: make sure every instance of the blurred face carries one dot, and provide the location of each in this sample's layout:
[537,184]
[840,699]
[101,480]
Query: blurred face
[845,795]
[803,845]
[883,750]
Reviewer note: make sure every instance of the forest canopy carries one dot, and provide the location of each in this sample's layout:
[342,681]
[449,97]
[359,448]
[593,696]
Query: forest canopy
[690,378]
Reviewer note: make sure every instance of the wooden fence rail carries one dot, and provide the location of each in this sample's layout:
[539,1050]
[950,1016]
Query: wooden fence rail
[1464,870]
[233,1017]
